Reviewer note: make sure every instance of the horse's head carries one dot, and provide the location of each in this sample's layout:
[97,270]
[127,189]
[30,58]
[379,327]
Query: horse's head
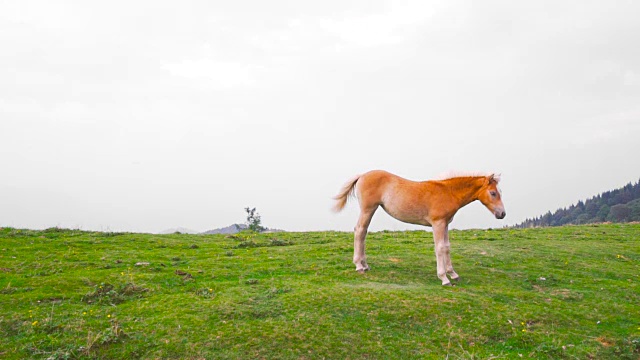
[490,196]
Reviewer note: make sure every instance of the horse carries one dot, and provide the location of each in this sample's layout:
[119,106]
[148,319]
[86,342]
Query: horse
[430,203]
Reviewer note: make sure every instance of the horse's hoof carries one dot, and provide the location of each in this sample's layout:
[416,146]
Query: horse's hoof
[455,279]
[361,271]
[447,284]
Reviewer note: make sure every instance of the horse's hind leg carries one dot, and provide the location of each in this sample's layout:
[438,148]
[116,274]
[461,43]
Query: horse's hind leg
[360,233]
[452,274]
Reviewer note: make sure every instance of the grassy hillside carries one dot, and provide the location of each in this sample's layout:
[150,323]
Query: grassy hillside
[569,292]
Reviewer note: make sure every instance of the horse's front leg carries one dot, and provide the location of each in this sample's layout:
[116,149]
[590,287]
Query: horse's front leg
[442,250]
[452,274]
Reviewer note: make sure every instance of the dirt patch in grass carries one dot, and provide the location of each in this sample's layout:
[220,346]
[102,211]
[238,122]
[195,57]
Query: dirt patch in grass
[604,342]
[566,294]
[383,286]
[106,293]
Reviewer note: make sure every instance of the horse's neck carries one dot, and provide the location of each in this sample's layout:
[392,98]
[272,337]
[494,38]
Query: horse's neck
[465,189]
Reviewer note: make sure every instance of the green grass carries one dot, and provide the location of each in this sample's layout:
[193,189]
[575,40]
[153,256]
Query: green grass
[553,293]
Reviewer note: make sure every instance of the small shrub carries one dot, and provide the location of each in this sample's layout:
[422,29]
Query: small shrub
[252,244]
[11,290]
[247,244]
[206,293]
[112,334]
[55,230]
[106,293]
[254,220]
[109,234]
[273,292]
[278,242]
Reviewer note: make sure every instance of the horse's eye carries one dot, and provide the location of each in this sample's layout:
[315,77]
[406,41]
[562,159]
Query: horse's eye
[493,193]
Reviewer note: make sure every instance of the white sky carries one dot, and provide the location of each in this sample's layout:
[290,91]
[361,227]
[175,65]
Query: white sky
[147,115]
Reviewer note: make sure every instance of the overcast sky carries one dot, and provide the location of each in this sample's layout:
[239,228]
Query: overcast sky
[148,115]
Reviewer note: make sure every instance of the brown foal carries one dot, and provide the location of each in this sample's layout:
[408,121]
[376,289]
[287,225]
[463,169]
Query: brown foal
[430,203]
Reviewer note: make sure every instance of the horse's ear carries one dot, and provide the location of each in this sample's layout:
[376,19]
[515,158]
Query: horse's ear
[494,178]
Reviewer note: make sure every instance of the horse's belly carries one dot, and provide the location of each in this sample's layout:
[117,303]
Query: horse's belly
[407,214]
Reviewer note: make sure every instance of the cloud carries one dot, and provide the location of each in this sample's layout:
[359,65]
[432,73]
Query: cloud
[606,128]
[44,15]
[393,26]
[64,112]
[224,74]
[87,89]
[73,112]
[632,79]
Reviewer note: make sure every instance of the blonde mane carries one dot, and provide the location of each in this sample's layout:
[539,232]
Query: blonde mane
[458,174]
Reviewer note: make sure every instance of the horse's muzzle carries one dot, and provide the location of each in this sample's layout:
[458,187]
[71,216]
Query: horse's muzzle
[500,214]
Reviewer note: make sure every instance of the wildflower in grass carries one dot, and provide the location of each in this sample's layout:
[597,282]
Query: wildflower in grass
[210,290]
[109,315]
[84,313]
[34,323]
[524,330]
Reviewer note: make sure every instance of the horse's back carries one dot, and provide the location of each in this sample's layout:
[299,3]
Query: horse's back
[379,180]
[371,184]
[377,185]
[399,197]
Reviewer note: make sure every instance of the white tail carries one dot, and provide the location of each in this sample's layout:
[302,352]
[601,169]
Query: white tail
[345,192]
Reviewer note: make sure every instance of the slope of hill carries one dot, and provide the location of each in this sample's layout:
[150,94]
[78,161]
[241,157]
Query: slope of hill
[178,229]
[546,293]
[236,228]
[620,205]
[231,229]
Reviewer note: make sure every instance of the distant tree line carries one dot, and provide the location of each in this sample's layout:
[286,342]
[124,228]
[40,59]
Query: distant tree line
[620,205]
